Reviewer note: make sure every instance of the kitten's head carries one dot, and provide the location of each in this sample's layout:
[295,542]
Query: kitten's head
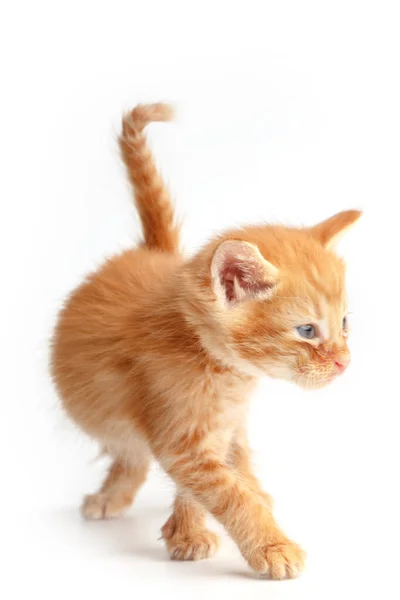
[272,300]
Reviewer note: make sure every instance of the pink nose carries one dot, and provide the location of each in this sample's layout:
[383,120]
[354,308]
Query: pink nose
[342,364]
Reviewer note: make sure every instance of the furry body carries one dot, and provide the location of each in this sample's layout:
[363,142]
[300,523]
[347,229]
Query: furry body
[156,356]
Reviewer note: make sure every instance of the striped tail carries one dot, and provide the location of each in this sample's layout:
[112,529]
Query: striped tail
[152,198]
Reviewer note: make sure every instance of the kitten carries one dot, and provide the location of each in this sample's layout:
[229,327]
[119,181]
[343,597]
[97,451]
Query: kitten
[156,355]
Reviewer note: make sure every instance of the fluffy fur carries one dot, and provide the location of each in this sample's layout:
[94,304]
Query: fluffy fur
[156,356]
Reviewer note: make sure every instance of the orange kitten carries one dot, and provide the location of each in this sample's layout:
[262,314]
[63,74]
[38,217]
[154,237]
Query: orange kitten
[155,355]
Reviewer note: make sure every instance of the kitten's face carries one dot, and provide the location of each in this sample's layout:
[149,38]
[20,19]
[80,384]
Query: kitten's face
[300,333]
[279,302]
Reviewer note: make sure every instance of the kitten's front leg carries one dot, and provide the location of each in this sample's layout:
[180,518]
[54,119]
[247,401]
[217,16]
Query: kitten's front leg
[243,513]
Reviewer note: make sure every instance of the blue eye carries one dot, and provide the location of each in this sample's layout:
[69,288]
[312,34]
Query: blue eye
[307,331]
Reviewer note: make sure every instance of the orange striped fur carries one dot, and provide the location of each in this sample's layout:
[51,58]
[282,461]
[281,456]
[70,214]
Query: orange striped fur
[155,355]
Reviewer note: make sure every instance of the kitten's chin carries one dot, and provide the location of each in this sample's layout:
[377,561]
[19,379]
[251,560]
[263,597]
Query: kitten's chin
[310,382]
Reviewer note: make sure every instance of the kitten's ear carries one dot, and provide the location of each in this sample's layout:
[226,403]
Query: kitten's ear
[239,272]
[330,231]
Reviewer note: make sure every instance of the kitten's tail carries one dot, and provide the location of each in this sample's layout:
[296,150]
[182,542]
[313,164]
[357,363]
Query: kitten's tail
[151,196]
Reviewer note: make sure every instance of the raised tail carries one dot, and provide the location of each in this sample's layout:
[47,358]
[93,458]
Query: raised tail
[152,198]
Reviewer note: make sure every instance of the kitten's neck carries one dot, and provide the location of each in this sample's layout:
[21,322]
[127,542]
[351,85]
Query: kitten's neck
[200,336]
[191,338]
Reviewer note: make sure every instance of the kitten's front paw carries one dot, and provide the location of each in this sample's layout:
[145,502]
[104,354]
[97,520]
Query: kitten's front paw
[281,560]
[193,544]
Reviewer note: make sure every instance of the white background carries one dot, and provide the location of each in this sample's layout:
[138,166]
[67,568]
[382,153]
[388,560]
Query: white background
[287,111]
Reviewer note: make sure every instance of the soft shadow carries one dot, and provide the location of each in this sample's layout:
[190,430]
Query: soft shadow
[137,535]
[134,534]
[249,575]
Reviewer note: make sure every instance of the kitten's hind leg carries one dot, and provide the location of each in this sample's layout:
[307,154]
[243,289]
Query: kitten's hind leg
[185,533]
[118,490]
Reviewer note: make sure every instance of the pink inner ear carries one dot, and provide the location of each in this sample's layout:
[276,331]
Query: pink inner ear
[227,278]
[248,275]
